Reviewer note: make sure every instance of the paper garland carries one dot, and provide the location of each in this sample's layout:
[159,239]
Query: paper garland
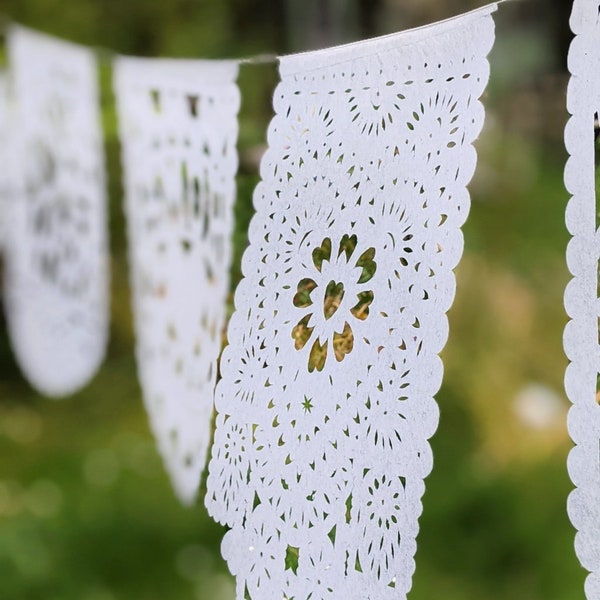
[581,296]
[326,398]
[56,281]
[296,457]
[178,133]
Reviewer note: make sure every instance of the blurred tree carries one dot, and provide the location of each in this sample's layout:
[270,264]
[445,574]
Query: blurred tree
[258,25]
[315,24]
[312,24]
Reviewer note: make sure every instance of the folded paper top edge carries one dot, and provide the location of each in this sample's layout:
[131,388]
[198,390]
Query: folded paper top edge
[315,59]
[58,44]
[216,71]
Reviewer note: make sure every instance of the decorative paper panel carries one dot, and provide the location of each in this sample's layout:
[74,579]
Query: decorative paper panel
[581,297]
[326,399]
[56,251]
[179,131]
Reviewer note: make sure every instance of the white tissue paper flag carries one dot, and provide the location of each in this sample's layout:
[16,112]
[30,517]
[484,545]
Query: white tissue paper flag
[178,123]
[581,296]
[56,279]
[326,399]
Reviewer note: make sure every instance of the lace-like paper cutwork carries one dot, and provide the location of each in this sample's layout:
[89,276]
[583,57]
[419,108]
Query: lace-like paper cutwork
[56,251]
[179,131]
[326,404]
[581,296]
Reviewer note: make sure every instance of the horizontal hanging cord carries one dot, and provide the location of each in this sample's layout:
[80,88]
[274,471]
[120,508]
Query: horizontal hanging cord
[107,54]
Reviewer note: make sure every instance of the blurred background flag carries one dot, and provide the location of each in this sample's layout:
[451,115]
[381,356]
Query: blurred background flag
[56,270]
[581,296]
[178,126]
[326,402]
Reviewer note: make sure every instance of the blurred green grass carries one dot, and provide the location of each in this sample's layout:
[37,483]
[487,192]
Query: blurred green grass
[86,511]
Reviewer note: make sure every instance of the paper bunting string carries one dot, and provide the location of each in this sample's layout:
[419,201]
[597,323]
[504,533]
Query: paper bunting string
[178,132]
[326,404]
[581,297]
[56,281]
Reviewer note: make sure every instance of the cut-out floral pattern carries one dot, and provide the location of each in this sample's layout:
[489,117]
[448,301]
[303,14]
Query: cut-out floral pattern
[321,297]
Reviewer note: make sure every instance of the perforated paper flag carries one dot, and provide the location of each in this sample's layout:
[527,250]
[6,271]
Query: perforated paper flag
[326,399]
[581,297]
[179,131]
[56,279]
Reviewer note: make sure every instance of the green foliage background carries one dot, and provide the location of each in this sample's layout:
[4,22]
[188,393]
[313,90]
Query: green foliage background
[86,511]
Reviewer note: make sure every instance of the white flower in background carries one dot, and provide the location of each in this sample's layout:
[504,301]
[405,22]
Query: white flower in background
[538,406]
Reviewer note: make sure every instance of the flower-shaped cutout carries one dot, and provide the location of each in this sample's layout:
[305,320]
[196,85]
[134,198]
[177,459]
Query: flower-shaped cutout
[381,503]
[57,220]
[373,107]
[337,289]
[446,129]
